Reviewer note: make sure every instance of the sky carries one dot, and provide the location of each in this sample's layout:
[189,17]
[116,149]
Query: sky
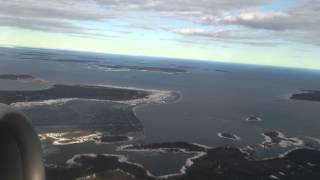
[267,32]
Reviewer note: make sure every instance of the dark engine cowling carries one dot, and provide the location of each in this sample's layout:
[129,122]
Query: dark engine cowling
[20,149]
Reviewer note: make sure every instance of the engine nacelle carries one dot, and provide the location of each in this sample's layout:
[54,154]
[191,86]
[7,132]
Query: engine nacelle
[20,148]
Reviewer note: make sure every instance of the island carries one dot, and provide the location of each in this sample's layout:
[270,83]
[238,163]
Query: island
[253,119]
[22,77]
[16,77]
[229,136]
[141,68]
[307,95]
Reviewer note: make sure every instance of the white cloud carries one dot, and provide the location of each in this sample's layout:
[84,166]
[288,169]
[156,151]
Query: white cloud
[299,23]
[190,31]
[259,16]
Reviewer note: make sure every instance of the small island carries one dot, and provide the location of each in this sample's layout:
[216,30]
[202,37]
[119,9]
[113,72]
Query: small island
[307,95]
[229,136]
[253,119]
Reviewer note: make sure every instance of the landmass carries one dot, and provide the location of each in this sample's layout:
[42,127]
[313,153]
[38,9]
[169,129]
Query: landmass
[77,137]
[307,95]
[231,163]
[73,91]
[66,138]
[274,138]
[85,108]
[93,92]
[64,93]
[169,146]
[222,71]
[106,139]
[213,163]
[100,118]
[41,56]
[141,68]
[17,77]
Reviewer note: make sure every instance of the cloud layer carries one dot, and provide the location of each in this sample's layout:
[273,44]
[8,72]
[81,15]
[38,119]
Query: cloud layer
[242,21]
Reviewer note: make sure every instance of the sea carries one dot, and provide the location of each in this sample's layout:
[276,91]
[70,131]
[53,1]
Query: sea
[215,97]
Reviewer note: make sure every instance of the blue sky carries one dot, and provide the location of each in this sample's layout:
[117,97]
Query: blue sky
[270,32]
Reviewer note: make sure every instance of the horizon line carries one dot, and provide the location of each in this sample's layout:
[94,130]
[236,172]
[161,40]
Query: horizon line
[161,57]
